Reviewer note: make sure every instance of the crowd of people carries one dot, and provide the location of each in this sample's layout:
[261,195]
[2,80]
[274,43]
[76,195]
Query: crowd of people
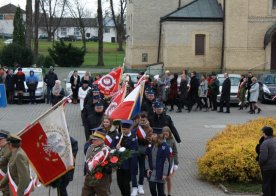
[151,133]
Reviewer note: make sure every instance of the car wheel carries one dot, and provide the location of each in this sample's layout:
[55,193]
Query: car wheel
[263,99]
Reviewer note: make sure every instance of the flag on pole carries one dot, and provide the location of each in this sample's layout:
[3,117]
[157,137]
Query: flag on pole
[143,78]
[108,140]
[47,145]
[130,106]
[118,98]
[110,82]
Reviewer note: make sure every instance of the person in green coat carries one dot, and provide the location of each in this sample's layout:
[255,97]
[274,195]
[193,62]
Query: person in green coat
[18,166]
[5,155]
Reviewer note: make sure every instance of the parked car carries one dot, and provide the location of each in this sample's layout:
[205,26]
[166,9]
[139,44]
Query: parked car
[69,38]
[133,77]
[43,37]
[235,80]
[267,88]
[41,87]
[93,39]
[68,89]
[8,41]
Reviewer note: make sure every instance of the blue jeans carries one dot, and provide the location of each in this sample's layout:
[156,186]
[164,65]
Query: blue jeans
[141,163]
[49,94]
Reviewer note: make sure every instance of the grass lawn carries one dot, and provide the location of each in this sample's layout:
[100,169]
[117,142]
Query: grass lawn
[252,188]
[112,57]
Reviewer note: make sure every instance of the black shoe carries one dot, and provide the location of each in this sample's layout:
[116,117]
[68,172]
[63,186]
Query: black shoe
[214,110]
[227,112]
[241,108]
[259,110]
[220,111]
[171,110]
[252,112]
[178,111]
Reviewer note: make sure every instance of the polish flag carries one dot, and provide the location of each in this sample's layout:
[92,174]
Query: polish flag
[47,145]
[2,174]
[110,83]
[131,105]
[108,140]
[143,78]
[118,98]
[141,133]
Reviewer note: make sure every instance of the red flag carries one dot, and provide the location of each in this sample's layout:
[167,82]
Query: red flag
[143,78]
[118,98]
[110,83]
[47,145]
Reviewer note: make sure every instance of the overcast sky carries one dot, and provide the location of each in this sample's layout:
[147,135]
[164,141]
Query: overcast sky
[90,4]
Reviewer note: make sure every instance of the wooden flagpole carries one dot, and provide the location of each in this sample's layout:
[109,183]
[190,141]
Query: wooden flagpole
[44,114]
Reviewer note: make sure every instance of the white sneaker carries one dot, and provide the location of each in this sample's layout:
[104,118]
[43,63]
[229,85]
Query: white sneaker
[141,190]
[134,191]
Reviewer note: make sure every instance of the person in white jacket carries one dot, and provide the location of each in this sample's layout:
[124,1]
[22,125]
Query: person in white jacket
[83,92]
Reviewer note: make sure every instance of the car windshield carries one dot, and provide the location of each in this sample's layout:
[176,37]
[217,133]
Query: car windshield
[37,74]
[70,74]
[132,76]
[269,79]
[234,81]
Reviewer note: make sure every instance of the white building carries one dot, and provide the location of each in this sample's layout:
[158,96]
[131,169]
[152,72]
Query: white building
[67,27]
[7,13]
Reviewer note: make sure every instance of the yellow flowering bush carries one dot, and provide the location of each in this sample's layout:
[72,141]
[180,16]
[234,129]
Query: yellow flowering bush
[230,155]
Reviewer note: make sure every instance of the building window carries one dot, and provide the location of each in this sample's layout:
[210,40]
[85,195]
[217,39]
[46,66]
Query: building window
[63,31]
[107,30]
[144,57]
[1,17]
[77,31]
[274,4]
[199,44]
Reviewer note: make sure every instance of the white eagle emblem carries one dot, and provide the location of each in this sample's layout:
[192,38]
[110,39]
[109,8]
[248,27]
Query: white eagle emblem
[107,81]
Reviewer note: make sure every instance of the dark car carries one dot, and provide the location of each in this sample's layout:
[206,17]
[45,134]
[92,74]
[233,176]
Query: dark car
[43,37]
[267,88]
[70,38]
[93,39]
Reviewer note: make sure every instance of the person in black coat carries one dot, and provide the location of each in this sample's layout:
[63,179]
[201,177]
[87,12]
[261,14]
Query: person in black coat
[50,79]
[193,91]
[214,91]
[94,119]
[75,85]
[19,79]
[9,82]
[182,93]
[148,103]
[248,86]
[225,94]
[160,119]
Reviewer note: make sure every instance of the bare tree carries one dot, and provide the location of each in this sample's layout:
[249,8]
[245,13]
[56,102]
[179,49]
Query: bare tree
[36,22]
[82,16]
[53,11]
[29,26]
[119,21]
[100,34]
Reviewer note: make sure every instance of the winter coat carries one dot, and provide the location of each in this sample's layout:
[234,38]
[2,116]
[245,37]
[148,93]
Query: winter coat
[73,86]
[194,84]
[82,94]
[50,79]
[203,89]
[56,99]
[214,87]
[226,88]
[159,121]
[173,90]
[254,92]
[19,79]
[183,90]
[10,82]
[267,159]
[32,82]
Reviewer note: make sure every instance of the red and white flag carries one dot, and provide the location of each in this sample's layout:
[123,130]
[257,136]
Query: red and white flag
[108,140]
[143,78]
[2,174]
[118,98]
[109,83]
[130,106]
[141,133]
[47,145]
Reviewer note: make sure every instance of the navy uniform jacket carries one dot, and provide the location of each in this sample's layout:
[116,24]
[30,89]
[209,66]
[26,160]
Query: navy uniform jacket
[130,142]
[163,155]
[162,120]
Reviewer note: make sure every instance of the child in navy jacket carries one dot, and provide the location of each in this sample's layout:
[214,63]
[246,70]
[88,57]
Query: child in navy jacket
[157,163]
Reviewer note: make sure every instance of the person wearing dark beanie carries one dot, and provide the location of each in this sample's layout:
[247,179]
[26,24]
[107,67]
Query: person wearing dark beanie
[267,161]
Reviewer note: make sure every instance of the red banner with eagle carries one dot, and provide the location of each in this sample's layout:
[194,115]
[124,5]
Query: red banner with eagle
[110,83]
[47,145]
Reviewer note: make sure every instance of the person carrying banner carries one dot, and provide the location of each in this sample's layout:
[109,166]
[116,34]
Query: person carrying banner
[99,188]
[5,155]
[18,175]
[129,167]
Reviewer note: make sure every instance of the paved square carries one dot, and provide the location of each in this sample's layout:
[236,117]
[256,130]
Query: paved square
[195,128]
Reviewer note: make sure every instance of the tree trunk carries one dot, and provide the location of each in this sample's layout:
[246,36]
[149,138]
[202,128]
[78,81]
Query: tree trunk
[29,28]
[121,27]
[36,21]
[100,34]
